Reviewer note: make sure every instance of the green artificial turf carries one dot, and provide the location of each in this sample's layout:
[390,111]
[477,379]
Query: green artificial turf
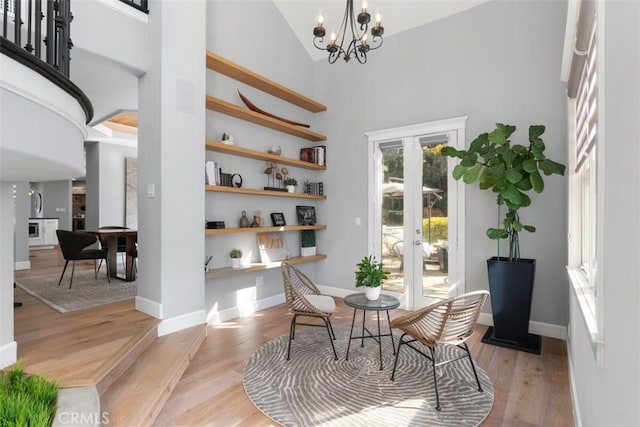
[26,400]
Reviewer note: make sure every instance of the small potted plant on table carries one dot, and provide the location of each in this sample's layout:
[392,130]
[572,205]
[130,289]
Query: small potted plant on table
[291,184]
[370,274]
[236,257]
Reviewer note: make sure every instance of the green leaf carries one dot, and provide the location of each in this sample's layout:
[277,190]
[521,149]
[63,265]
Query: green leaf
[513,176]
[469,160]
[536,182]
[526,200]
[524,184]
[449,151]
[538,152]
[509,156]
[496,171]
[520,150]
[498,135]
[471,174]
[535,131]
[530,165]
[478,143]
[497,233]
[517,225]
[530,228]
[550,167]
[513,195]
[458,171]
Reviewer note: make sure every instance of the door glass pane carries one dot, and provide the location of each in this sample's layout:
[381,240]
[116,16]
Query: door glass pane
[435,245]
[393,216]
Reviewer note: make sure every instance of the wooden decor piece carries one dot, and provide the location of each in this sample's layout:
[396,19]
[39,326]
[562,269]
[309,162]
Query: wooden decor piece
[252,107]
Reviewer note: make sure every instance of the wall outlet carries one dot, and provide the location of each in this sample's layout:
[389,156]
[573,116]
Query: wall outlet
[259,281]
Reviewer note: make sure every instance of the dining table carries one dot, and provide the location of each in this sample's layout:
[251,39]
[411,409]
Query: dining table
[131,239]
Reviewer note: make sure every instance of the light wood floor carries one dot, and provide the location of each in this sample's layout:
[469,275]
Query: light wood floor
[530,390]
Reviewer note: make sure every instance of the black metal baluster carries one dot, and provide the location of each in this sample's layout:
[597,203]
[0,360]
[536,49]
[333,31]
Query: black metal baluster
[5,10]
[49,40]
[38,15]
[65,44]
[17,13]
[29,47]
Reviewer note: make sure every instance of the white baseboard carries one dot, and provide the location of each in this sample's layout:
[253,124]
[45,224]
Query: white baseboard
[219,316]
[577,420]
[539,328]
[152,308]
[184,321]
[8,354]
[23,265]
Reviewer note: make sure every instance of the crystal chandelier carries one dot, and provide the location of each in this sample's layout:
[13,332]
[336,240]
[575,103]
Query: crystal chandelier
[358,46]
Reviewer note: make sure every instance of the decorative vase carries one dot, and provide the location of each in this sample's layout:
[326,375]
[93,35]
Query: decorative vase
[244,221]
[372,293]
[235,262]
[256,222]
[291,188]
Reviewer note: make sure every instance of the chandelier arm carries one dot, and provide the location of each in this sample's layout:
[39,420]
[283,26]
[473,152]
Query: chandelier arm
[374,43]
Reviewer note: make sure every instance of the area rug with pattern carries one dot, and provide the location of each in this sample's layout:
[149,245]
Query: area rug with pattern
[85,292]
[313,389]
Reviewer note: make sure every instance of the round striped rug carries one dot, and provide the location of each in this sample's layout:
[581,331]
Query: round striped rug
[313,389]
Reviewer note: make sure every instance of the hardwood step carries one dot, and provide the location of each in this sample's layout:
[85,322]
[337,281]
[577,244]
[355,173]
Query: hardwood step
[136,398]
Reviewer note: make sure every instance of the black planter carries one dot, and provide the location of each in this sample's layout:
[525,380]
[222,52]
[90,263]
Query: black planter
[511,287]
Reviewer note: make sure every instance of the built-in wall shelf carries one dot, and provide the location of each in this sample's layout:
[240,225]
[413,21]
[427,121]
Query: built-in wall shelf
[255,192]
[218,231]
[234,150]
[224,107]
[241,74]
[218,273]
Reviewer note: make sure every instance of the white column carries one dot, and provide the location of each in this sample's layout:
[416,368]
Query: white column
[8,347]
[171,159]
[22,212]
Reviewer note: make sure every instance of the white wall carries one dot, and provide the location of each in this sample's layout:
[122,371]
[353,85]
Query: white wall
[171,160]
[609,396]
[230,30]
[56,202]
[21,238]
[493,63]
[8,348]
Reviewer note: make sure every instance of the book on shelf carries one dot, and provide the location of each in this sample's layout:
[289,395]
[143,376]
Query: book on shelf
[316,154]
[316,188]
[211,173]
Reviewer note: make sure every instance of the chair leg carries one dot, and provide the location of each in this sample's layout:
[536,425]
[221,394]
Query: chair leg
[99,265]
[435,377]
[95,269]
[63,270]
[292,331]
[395,362]
[473,366]
[326,322]
[333,334]
[73,269]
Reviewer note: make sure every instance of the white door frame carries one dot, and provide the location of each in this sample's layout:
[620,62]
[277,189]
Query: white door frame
[456,212]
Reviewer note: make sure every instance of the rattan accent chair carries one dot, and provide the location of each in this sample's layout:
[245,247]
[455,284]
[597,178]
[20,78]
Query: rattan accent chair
[304,299]
[447,322]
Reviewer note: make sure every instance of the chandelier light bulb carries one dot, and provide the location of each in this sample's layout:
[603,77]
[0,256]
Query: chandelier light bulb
[378,20]
[320,20]
[364,7]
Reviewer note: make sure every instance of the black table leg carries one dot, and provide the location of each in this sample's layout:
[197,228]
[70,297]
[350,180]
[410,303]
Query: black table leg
[351,333]
[364,312]
[379,339]
[16,304]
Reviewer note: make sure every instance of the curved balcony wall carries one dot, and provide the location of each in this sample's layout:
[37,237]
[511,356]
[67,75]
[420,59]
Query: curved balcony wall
[42,127]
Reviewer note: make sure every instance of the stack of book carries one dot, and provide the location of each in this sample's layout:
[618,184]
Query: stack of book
[212,173]
[215,224]
[314,188]
[317,154]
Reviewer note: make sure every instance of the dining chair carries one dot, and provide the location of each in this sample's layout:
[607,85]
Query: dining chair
[304,299]
[73,245]
[447,322]
[121,241]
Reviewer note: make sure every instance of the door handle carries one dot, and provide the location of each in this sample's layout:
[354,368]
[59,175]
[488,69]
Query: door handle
[418,242]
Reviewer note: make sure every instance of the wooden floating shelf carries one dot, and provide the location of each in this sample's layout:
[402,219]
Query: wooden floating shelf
[241,74]
[217,231]
[219,147]
[255,192]
[224,107]
[218,273]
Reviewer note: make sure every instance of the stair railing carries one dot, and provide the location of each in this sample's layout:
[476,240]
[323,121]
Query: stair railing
[57,19]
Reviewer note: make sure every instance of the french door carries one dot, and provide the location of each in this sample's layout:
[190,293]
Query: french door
[415,215]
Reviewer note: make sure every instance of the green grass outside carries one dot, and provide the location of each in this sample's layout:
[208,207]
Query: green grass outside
[26,400]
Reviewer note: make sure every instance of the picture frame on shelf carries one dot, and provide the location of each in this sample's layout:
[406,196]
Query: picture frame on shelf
[306,215]
[277,219]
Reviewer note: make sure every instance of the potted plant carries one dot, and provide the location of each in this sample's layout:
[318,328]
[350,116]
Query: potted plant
[235,255]
[291,184]
[307,243]
[370,274]
[510,171]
